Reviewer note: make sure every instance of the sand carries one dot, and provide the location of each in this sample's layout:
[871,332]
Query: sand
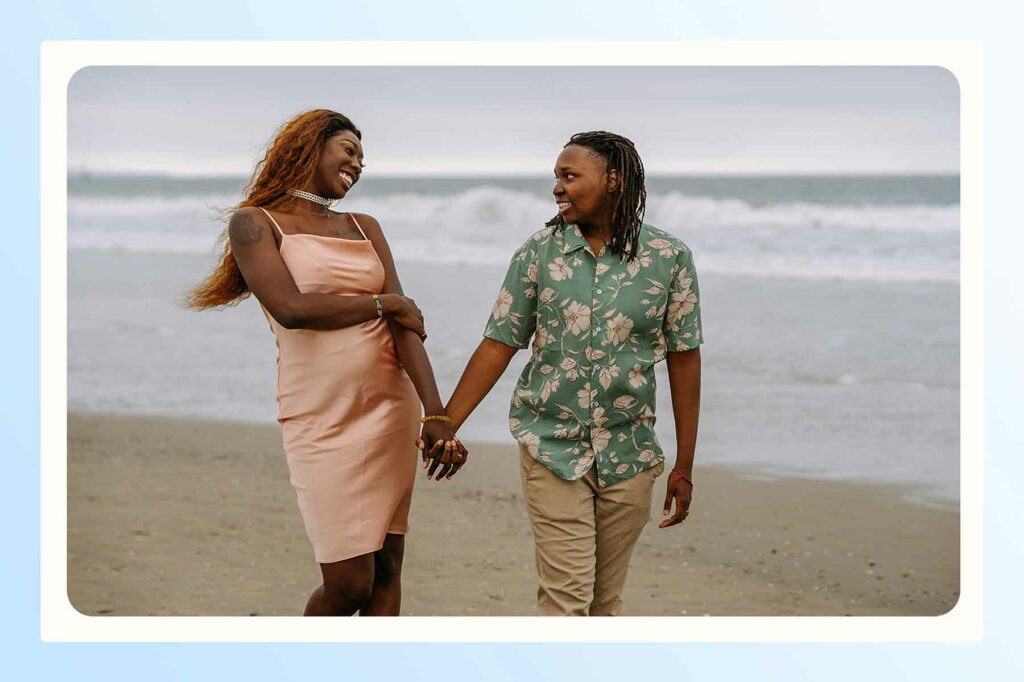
[172,516]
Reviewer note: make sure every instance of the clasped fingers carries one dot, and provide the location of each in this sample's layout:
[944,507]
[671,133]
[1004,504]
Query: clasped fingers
[446,458]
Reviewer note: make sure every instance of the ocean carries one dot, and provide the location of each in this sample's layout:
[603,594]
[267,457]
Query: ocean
[830,309]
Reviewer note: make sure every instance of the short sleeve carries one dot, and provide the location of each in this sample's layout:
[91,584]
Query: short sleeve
[682,326]
[513,317]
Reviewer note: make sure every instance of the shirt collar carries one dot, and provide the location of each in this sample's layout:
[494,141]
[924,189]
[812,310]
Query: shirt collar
[574,240]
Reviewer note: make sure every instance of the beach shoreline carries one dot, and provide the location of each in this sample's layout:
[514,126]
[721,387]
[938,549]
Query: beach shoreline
[183,516]
[799,378]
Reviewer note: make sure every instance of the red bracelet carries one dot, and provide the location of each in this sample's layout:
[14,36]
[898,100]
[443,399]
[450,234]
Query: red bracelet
[679,477]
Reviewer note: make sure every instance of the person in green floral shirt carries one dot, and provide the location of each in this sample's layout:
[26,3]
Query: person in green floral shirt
[604,297]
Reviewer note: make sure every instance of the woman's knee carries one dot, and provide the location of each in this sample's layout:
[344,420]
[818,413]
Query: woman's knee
[348,585]
[348,596]
[388,560]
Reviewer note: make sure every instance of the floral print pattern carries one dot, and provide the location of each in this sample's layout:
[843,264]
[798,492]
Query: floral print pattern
[599,325]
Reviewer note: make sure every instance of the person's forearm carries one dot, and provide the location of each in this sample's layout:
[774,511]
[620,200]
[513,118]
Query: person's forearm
[684,383]
[324,312]
[413,357]
[484,369]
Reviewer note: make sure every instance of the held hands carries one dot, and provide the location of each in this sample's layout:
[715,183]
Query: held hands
[680,490]
[405,312]
[441,448]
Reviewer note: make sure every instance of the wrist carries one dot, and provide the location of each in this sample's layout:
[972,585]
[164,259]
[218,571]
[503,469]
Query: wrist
[684,465]
[432,405]
[438,428]
[435,416]
[457,415]
[389,304]
[677,475]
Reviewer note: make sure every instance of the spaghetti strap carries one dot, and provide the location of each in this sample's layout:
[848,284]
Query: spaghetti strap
[279,230]
[358,227]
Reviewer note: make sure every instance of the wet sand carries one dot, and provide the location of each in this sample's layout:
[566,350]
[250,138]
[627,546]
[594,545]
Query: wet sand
[172,516]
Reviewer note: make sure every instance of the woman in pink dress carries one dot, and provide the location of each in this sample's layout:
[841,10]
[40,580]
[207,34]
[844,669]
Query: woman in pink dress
[352,370]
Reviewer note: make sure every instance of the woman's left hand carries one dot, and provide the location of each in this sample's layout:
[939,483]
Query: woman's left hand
[681,491]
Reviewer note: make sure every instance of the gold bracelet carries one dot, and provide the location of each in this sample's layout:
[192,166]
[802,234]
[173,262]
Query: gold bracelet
[437,418]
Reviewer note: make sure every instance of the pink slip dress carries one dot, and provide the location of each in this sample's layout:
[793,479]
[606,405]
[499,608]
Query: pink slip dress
[348,411]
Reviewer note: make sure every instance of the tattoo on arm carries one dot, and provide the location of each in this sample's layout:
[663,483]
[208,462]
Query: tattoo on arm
[244,231]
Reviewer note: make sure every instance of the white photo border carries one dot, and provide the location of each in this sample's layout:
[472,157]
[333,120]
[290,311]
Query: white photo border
[59,621]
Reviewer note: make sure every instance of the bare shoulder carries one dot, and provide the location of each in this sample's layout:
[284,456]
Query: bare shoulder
[376,235]
[249,213]
[374,232]
[368,223]
[247,226]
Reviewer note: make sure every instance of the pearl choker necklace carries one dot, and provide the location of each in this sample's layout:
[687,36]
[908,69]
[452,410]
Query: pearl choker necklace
[311,197]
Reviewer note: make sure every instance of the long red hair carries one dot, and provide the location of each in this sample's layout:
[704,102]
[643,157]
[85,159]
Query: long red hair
[290,160]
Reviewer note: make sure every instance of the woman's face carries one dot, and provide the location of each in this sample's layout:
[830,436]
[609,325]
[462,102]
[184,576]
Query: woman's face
[341,163]
[583,186]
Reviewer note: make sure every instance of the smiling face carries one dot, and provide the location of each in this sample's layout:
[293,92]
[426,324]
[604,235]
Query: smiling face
[583,187]
[341,163]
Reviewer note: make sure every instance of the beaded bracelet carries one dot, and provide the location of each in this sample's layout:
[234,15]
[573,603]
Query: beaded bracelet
[380,308]
[437,418]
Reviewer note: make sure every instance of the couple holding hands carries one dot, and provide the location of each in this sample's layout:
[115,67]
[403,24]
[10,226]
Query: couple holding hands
[602,295]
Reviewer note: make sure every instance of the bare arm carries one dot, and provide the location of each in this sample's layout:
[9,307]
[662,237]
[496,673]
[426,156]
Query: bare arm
[485,367]
[258,258]
[684,382]
[409,344]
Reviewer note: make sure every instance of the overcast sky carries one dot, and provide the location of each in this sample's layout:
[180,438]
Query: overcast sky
[514,120]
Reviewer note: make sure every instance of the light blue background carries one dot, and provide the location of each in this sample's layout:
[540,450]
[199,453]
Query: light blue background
[25,25]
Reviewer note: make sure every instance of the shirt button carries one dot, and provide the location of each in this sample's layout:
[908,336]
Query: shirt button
[599,291]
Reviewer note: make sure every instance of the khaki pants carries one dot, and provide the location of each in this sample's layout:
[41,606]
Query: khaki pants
[583,536]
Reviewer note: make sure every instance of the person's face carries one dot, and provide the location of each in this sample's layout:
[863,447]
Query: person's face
[583,185]
[341,163]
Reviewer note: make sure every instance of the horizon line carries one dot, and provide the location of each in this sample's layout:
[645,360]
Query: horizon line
[196,175]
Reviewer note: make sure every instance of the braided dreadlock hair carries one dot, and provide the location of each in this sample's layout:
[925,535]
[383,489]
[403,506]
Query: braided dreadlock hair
[619,154]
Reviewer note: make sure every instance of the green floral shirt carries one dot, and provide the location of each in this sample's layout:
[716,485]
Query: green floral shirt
[599,325]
